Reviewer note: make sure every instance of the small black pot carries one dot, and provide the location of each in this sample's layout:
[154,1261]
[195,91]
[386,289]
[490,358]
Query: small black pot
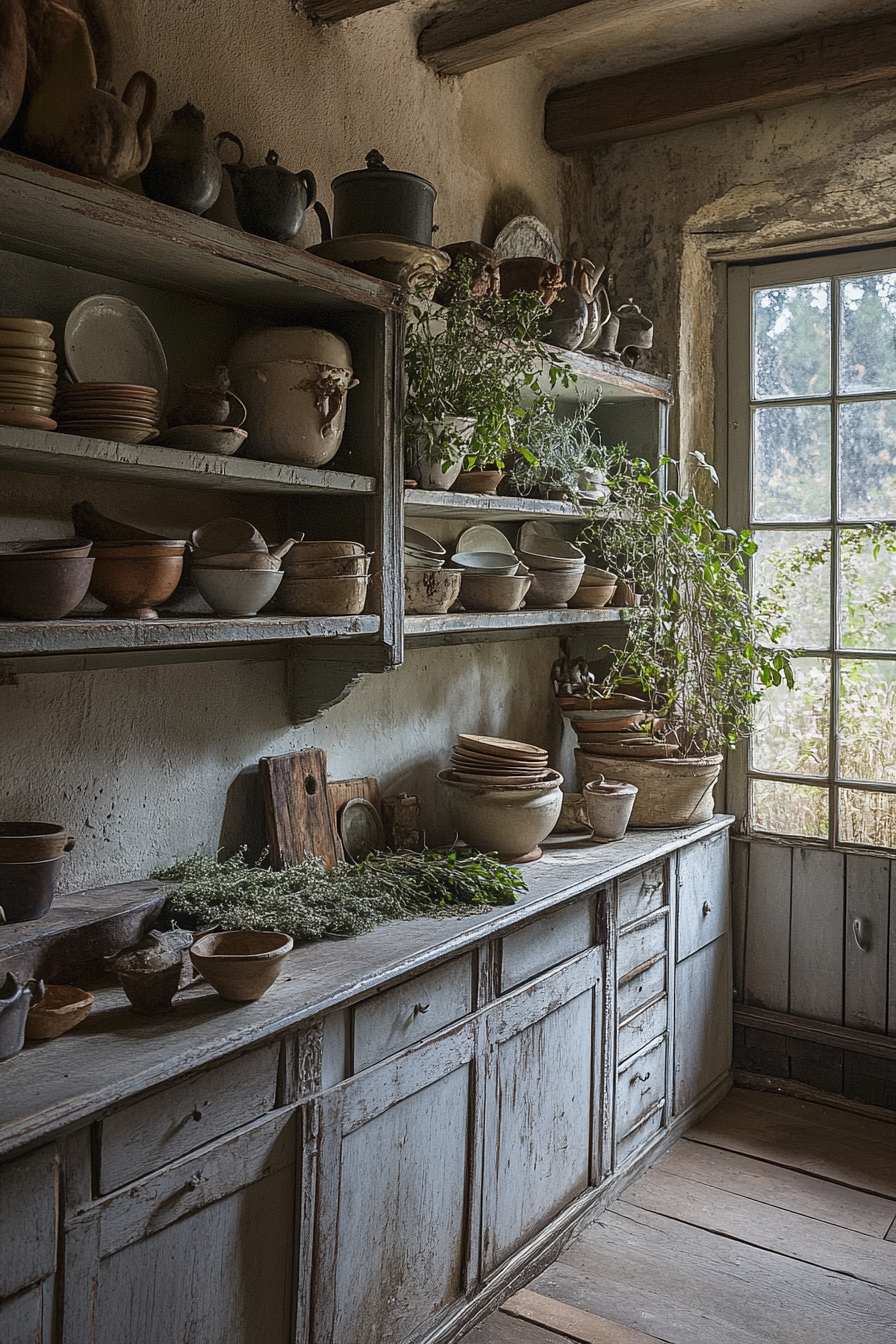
[377,200]
[27,889]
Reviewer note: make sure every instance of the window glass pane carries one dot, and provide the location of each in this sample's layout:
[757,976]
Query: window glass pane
[867,715]
[791,732]
[792,341]
[868,334]
[867,593]
[794,570]
[791,464]
[867,818]
[789,809]
[868,460]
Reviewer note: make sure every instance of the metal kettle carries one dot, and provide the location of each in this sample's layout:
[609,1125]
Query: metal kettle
[270,201]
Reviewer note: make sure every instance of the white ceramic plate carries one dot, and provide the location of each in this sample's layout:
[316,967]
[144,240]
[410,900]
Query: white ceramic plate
[484,537]
[111,340]
[527,236]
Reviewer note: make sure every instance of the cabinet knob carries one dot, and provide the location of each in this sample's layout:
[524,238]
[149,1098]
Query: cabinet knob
[421,1008]
[707,909]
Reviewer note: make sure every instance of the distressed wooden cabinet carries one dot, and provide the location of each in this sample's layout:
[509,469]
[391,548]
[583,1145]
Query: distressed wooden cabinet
[392,1138]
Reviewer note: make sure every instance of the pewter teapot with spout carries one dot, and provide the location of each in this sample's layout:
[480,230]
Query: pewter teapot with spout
[270,201]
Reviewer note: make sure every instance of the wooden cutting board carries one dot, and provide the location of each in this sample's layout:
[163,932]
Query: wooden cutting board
[297,808]
[339,791]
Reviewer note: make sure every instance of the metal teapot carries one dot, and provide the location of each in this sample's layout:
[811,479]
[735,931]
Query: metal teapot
[270,201]
[15,1000]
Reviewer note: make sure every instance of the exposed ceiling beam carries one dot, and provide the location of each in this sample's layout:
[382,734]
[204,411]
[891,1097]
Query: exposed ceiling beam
[333,10]
[666,97]
[465,40]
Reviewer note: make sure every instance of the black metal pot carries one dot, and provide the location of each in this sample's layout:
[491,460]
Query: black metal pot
[27,889]
[377,200]
[15,1000]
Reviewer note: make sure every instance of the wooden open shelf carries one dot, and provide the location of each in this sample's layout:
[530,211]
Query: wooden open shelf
[487,508]
[482,626]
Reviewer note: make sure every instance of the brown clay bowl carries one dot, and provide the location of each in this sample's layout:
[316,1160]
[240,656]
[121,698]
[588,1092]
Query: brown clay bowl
[132,581]
[242,965]
[32,841]
[342,595]
[43,588]
[592,595]
[329,567]
[61,1008]
[52,546]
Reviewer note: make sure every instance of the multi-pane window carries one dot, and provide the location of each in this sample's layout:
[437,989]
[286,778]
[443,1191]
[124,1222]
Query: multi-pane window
[812,466]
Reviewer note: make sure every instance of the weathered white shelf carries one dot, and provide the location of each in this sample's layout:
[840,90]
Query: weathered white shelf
[49,453]
[612,379]
[458,626]
[496,508]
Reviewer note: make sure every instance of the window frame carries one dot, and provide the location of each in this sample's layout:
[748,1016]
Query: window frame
[741,278]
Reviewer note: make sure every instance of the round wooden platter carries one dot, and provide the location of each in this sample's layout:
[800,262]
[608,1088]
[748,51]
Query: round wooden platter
[502,746]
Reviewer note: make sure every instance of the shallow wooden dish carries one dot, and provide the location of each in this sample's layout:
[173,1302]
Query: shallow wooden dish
[61,1008]
[241,965]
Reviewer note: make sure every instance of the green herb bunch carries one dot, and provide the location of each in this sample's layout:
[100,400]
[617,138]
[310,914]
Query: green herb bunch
[311,902]
[558,447]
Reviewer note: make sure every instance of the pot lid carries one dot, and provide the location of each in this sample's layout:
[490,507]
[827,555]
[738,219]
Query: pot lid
[376,167]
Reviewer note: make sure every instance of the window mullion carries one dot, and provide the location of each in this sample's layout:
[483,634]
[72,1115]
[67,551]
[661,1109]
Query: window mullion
[834,717]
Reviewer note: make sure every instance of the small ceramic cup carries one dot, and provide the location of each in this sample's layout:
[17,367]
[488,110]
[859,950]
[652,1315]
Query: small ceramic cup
[609,803]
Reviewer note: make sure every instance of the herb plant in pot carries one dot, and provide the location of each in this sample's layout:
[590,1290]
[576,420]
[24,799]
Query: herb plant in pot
[700,647]
[564,456]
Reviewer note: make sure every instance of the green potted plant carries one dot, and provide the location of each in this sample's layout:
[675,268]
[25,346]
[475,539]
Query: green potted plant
[565,459]
[699,648]
[470,364]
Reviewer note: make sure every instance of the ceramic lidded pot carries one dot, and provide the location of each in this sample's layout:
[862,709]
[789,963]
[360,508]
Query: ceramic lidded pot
[184,170]
[377,199]
[270,201]
[294,382]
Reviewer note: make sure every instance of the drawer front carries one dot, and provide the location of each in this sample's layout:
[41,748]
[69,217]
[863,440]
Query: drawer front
[640,893]
[640,1086]
[631,1145]
[546,942]
[398,1017]
[640,989]
[27,1220]
[640,945]
[640,1030]
[149,1134]
[703,894]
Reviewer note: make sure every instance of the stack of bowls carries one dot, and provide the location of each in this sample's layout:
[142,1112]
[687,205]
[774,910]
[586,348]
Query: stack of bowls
[27,373]
[596,588]
[502,796]
[31,854]
[556,567]
[133,577]
[122,412]
[429,590]
[422,551]
[43,580]
[232,568]
[325,578]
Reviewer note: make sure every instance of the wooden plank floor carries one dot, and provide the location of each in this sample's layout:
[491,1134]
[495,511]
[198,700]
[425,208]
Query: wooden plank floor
[774,1219]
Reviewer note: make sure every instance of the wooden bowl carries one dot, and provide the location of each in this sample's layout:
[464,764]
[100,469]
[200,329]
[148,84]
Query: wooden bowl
[61,1008]
[340,595]
[242,965]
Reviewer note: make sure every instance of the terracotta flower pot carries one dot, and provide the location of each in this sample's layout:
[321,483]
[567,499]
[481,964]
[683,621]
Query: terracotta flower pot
[671,792]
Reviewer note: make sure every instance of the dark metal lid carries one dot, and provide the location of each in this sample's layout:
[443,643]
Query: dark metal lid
[376,167]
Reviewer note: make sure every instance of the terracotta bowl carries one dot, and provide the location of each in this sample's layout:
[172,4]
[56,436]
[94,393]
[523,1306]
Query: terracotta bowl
[33,841]
[42,588]
[552,589]
[61,1008]
[478,482]
[494,592]
[430,592]
[133,579]
[342,595]
[241,965]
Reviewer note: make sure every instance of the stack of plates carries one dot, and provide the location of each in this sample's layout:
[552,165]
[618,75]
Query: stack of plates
[498,762]
[422,551]
[27,373]
[124,412]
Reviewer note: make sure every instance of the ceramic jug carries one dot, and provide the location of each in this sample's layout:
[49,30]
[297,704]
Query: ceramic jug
[15,1000]
[184,170]
[73,124]
[270,201]
[635,330]
[208,403]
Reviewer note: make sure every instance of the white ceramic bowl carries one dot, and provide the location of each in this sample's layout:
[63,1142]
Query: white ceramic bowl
[558,564]
[486,562]
[511,820]
[552,588]
[422,543]
[552,548]
[236,592]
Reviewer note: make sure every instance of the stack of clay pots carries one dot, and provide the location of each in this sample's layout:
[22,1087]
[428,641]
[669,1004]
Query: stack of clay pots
[429,589]
[503,797]
[556,567]
[31,855]
[325,578]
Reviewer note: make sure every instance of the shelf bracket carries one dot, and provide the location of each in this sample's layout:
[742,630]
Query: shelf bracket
[318,679]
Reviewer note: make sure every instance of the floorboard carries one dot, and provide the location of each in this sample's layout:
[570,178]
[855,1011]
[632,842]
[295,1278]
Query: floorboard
[582,1326]
[500,1328]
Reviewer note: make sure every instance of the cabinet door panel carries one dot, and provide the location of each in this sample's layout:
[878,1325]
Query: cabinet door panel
[401,1221]
[542,1126]
[703,893]
[27,1220]
[702,1021]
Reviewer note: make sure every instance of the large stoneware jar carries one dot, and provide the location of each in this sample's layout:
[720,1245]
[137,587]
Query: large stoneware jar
[294,381]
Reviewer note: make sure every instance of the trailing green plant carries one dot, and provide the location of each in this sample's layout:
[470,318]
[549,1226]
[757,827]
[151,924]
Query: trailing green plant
[559,447]
[699,645]
[310,902]
[480,358]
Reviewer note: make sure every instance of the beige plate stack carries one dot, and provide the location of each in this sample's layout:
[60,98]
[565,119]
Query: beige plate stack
[498,761]
[27,373]
[123,412]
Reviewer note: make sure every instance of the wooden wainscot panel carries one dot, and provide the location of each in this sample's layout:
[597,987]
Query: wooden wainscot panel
[151,1133]
[420,1007]
[703,888]
[28,1199]
[546,942]
[641,893]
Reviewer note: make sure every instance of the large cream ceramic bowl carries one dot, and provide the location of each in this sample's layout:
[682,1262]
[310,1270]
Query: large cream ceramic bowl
[294,381]
[510,820]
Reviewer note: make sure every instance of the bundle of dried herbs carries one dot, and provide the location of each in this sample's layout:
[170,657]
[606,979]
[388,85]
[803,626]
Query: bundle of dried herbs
[310,902]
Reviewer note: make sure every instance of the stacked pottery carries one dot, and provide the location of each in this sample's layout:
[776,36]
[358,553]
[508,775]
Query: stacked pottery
[233,569]
[502,796]
[121,412]
[27,373]
[596,588]
[556,567]
[325,578]
[31,855]
[429,590]
[615,725]
[43,580]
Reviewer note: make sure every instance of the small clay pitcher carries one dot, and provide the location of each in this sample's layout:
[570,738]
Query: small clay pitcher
[270,201]
[184,170]
[532,274]
[209,403]
[15,1000]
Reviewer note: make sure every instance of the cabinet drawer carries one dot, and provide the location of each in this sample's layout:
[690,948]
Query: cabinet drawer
[632,1144]
[640,1086]
[149,1134]
[400,1016]
[703,894]
[546,942]
[642,1028]
[639,989]
[27,1220]
[640,893]
[640,945]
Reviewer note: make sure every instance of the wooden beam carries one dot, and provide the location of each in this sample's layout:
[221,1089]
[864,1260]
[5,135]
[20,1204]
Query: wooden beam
[331,11]
[498,29]
[666,97]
